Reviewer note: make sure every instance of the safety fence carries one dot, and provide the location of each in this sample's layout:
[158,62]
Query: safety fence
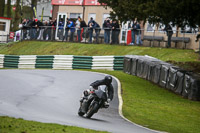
[166,75]
[62,62]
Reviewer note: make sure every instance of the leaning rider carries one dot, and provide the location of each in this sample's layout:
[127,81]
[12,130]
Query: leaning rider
[106,81]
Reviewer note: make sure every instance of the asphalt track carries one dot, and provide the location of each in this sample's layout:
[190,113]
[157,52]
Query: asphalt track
[52,96]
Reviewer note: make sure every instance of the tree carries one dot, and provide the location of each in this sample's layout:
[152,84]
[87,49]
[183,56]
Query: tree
[178,12]
[9,8]
[2,7]
[17,15]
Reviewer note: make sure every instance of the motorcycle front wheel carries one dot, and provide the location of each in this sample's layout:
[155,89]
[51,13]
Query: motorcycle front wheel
[80,113]
[93,109]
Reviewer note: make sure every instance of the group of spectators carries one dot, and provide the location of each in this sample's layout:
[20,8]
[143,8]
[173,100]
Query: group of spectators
[85,31]
[37,30]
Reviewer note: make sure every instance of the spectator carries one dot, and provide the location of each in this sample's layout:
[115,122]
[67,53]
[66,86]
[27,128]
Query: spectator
[97,31]
[51,30]
[107,29]
[72,30]
[84,26]
[66,30]
[169,31]
[60,29]
[91,24]
[115,32]
[133,31]
[45,32]
[78,28]
[138,34]
[24,29]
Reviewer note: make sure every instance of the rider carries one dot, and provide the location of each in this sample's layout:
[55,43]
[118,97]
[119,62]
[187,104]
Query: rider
[106,81]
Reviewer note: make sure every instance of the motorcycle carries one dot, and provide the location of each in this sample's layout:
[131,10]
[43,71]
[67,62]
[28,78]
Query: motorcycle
[93,102]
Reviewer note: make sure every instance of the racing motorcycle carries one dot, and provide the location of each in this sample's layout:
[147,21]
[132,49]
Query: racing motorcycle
[93,101]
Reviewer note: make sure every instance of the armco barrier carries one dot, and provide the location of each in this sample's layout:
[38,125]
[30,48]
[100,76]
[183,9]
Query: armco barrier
[62,62]
[164,74]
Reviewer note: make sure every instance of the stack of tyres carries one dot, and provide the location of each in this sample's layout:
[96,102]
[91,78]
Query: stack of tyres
[191,86]
[172,78]
[179,82]
[164,74]
[154,72]
[175,79]
[127,64]
[147,65]
[134,65]
[140,66]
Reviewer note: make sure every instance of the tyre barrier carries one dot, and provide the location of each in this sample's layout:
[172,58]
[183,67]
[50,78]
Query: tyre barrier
[62,62]
[164,74]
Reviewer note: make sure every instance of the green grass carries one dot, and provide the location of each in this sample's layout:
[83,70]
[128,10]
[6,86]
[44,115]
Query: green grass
[151,106]
[144,103]
[63,48]
[12,125]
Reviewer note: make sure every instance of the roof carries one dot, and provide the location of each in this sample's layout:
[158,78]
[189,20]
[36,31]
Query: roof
[5,18]
[76,2]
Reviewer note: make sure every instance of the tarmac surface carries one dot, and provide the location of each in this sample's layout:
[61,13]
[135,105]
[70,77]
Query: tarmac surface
[52,96]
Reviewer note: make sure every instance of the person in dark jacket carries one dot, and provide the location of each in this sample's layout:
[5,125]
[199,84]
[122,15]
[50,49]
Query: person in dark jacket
[133,32]
[169,32]
[107,29]
[94,86]
[71,26]
[115,32]
[91,25]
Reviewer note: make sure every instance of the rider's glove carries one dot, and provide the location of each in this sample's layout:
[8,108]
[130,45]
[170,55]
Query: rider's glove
[91,88]
[108,100]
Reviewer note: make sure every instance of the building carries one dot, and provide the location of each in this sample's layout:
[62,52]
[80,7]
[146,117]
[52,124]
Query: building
[84,8]
[4,29]
[45,7]
[91,8]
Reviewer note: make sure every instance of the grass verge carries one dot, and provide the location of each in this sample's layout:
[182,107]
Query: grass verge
[63,48]
[149,105]
[12,125]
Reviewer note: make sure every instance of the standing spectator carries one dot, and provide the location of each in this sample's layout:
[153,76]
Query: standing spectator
[133,31]
[138,34]
[169,31]
[97,31]
[66,30]
[84,26]
[91,24]
[32,29]
[51,29]
[115,32]
[72,30]
[107,29]
[60,29]
[24,29]
[45,32]
[78,28]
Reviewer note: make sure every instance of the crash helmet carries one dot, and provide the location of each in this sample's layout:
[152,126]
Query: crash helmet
[108,79]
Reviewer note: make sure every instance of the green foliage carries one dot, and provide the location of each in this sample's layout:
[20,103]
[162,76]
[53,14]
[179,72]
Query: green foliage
[12,125]
[179,12]
[2,7]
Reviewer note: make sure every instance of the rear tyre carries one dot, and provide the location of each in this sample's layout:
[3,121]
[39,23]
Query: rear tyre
[93,109]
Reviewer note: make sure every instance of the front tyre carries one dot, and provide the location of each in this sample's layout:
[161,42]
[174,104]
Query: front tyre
[80,113]
[93,109]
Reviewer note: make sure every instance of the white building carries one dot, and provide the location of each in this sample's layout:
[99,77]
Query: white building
[4,29]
